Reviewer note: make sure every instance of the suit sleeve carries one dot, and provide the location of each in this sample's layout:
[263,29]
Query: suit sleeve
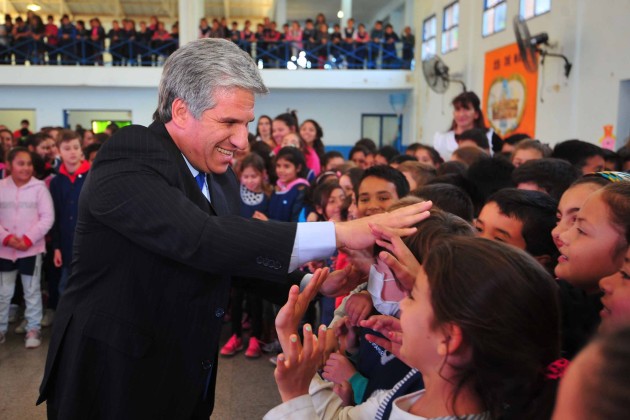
[136,189]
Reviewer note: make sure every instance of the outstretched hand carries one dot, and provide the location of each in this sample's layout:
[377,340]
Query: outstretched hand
[341,282]
[291,313]
[391,330]
[356,234]
[399,258]
[298,364]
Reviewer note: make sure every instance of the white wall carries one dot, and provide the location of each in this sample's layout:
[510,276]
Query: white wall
[339,112]
[49,102]
[12,117]
[592,34]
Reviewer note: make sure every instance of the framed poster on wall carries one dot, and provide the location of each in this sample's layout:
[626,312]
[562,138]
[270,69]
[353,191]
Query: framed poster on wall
[509,93]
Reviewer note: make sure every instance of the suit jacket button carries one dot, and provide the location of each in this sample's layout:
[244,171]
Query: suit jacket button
[219,312]
[206,364]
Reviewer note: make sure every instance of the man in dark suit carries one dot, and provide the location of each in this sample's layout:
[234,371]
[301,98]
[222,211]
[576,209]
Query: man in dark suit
[136,333]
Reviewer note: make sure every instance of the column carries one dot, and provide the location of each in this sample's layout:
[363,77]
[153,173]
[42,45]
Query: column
[281,13]
[190,12]
[346,8]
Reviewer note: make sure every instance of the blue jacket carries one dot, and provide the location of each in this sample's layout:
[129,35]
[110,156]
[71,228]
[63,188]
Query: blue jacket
[65,190]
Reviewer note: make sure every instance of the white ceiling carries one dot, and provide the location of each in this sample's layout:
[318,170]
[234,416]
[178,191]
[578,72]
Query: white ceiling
[362,10]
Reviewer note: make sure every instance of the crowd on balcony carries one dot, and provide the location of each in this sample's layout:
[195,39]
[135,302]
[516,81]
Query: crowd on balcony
[316,44]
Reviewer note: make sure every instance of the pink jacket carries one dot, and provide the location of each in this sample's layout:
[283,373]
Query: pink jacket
[24,211]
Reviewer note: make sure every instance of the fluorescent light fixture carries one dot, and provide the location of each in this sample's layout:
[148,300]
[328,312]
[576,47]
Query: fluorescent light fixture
[34,7]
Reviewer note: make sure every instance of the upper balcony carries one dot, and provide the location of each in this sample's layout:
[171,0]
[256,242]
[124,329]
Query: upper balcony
[284,65]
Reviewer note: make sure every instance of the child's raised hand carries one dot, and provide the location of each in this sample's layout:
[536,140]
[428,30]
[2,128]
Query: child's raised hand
[345,392]
[358,307]
[341,282]
[399,258]
[338,369]
[346,336]
[292,312]
[297,366]
[361,259]
[390,327]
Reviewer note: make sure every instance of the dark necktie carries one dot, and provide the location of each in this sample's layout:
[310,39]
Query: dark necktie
[201,180]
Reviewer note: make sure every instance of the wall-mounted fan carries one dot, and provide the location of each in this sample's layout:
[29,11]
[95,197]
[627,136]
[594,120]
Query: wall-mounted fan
[528,47]
[436,74]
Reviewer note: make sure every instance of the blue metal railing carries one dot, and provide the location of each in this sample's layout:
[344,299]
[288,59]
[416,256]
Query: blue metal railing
[267,54]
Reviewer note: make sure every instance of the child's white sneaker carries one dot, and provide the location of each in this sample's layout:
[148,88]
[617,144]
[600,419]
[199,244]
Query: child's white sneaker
[33,339]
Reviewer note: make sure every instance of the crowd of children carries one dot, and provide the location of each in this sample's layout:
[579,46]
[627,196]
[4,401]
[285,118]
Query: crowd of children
[32,40]
[42,177]
[522,259]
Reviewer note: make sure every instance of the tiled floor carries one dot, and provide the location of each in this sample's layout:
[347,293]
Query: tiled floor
[245,387]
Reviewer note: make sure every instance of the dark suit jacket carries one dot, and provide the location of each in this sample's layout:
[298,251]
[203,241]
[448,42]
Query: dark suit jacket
[136,333]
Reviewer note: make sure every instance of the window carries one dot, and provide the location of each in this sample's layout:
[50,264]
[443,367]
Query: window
[429,30]
[384,129]
[533,8]
[450,27]
[494,16]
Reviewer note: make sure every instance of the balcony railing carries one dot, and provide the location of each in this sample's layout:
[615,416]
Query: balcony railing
[279,55]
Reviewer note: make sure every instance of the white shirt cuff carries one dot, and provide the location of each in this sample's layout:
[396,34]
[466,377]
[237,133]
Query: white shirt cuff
[313,241]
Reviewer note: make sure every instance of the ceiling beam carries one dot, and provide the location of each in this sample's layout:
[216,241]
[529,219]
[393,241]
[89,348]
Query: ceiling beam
[8,7]
[226,9]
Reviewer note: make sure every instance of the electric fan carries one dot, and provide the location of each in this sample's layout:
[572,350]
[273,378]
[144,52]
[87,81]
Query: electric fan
[528,47]
[436,74]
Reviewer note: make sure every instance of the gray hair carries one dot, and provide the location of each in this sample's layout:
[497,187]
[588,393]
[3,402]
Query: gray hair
[196,71]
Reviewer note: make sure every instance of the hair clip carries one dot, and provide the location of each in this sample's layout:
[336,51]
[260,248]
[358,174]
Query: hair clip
[557,368]
[612,176]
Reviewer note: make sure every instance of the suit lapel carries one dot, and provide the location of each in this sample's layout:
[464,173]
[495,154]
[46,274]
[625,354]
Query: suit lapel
[190,187]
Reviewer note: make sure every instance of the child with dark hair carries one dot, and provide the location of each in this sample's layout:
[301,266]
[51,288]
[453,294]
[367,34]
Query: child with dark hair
[527,150]
[380,186]
[596,386]
[26,215]
[585,156]
[612,160]
[455,339]
[424,154]
[385,154]
[417,173]
[452,167]
[90,151]
[312,133]
[469,155]
[287,199]
[332,160]
[367,143]
[65,189]
[580,298]
[512,140]
[473,137]
[396,161]
[549,175]
[254,198]
[361,156]
[523,219]
[449,198]
[487,176]
[368,368]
